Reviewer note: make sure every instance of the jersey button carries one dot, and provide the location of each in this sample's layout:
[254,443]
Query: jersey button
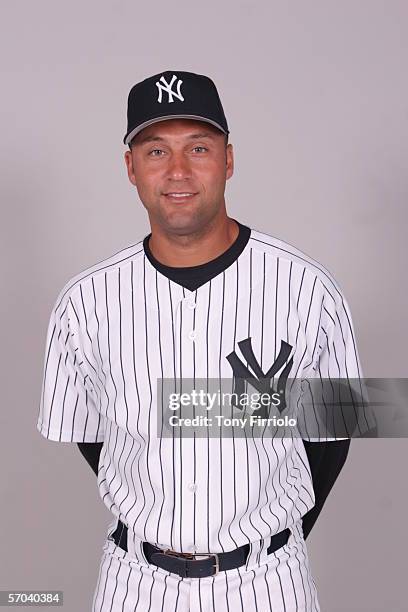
[192,486]
[192,335]
[191,305]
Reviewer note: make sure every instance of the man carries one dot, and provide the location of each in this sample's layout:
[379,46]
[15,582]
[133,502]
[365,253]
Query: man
[209,523]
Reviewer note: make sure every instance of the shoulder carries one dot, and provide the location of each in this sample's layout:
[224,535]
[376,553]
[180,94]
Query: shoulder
[109,264]
[280,251]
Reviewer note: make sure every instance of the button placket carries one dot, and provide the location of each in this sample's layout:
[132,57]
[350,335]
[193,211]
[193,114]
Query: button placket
[190,303]
[190,323]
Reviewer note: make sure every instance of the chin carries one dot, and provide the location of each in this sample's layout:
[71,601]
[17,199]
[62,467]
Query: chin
[180,216]
[183,222]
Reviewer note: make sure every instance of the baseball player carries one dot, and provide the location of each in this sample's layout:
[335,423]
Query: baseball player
[213,523]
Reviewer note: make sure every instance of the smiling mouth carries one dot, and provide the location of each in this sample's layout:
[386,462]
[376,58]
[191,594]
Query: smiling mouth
[180,196]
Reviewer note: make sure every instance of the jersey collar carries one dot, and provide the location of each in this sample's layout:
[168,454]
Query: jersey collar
[192,277]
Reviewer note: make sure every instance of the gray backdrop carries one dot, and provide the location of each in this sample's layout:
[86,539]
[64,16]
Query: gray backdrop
[316,98]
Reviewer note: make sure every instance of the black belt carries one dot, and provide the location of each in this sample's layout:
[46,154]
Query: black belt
[187,565]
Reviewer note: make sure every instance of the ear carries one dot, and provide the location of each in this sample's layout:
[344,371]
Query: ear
[229,161]
[129,167]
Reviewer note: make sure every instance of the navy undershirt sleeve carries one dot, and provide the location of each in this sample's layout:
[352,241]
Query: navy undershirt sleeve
[326,460]
[91,451]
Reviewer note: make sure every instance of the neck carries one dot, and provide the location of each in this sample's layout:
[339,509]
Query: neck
[196,248]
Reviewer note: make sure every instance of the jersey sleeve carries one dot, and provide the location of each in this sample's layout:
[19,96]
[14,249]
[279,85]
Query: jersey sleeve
[334,399]
[67,412]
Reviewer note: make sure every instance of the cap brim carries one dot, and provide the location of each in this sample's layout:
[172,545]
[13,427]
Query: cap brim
[140,127]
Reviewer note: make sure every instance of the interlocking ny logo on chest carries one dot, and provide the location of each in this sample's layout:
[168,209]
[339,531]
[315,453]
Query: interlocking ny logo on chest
[261,381]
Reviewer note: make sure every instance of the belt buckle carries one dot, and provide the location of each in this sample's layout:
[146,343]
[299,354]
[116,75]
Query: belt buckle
[190,556]
[208,554]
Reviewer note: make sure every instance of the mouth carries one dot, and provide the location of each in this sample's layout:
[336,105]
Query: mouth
[180,196]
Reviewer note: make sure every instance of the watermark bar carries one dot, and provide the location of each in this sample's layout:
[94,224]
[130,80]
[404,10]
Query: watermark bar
[310,408]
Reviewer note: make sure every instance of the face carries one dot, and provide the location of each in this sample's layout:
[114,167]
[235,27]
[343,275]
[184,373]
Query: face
[180,156]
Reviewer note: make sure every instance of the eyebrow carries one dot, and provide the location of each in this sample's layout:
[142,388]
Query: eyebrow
[197,135]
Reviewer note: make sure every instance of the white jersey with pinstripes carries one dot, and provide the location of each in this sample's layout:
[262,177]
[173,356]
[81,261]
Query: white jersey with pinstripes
[119,325]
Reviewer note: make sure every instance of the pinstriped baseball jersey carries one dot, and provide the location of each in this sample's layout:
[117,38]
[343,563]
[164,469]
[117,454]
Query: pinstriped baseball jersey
[122,324]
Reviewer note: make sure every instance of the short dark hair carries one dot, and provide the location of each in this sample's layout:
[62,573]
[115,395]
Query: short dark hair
[132,142]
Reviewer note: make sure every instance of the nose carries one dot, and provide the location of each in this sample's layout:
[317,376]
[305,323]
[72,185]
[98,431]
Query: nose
[178,167]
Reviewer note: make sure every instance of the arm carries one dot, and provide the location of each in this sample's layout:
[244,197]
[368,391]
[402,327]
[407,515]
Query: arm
[91,451]
[326,459]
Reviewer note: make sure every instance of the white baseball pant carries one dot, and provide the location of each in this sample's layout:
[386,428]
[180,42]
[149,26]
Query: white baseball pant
[278,582]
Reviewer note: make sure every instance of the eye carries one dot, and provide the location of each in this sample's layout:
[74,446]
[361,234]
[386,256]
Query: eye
[198,147]
[153,151]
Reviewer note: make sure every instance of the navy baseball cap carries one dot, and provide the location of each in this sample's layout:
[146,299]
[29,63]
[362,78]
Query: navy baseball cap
[170,95]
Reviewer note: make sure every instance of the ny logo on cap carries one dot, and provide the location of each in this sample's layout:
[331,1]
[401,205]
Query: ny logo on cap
[168,88]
